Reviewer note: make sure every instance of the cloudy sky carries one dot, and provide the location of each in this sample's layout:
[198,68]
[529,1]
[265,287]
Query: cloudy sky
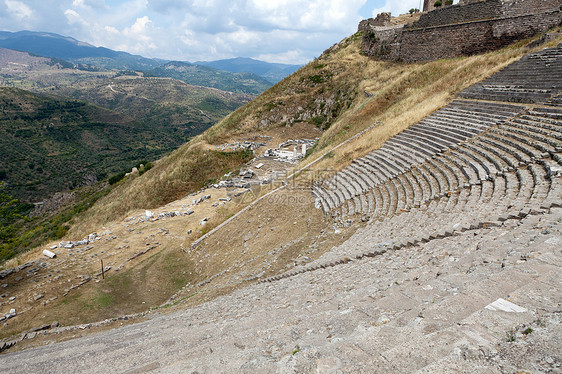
[288,31]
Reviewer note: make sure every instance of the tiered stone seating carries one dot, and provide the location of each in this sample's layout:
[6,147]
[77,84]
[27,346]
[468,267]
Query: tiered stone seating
[533,79]
[468,161]
[446,128]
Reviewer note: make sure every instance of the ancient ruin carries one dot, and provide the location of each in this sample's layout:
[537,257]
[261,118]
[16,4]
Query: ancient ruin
[467,28]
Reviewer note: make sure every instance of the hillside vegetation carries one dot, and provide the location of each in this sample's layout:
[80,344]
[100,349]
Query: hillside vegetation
[151,261]
[342,92]
[49,145]
[240,82]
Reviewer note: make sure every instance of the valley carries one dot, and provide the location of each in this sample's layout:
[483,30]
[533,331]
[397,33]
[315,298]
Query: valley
[361,215]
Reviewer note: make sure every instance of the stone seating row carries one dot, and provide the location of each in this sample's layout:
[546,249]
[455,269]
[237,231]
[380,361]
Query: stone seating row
[508,163]
[481,203]
[459,121]
[535,78]
[373,169]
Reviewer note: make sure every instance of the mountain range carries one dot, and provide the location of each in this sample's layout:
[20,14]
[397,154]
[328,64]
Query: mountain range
[69,49]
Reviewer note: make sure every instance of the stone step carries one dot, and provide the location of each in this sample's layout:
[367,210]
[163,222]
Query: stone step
[382,169]
[439,141]
[461,121]
[401,195]
[515,141]
[369,173]
[539,143]
[419,144]
[499,143]
[535,130]
[387,163]
[486,166]
[442,133]
[506,158]
[398,160]
[405,157]
[495,163]
[405,147]
[458,129]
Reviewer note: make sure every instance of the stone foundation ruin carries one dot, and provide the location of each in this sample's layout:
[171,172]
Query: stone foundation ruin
[458,30]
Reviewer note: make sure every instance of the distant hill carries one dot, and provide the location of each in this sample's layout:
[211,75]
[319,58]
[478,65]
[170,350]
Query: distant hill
[210,77]
[270,71]
[244,75]
[71,53]
[49,145]
[157,101]
[69,49]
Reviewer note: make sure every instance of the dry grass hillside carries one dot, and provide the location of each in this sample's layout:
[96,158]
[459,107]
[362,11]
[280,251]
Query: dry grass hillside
[336,97]
[342,93]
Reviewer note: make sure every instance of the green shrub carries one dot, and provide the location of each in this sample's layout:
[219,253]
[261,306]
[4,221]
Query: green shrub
[61,231]
[316,78]
[437,4]
[117,177]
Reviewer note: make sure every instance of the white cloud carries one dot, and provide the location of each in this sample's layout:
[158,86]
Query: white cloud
[111,30]
[73,17]
[307,15]
[398,7]
[199,29]
[139,28]
[98,4]
[288,57]
[19,10]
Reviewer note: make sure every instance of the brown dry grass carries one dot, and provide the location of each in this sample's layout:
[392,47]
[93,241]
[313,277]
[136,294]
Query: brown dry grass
[186,170]
[403,95]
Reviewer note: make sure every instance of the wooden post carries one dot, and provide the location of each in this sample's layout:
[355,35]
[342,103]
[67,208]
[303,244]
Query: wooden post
[102,271]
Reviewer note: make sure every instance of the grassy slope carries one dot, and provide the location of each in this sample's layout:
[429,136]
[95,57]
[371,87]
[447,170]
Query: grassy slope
[328,92]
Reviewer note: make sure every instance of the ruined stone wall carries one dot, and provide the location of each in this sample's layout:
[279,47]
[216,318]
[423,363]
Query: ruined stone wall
[458,14]
[383,19]
[511,8]
[473,37]
[459,30]
[383,43]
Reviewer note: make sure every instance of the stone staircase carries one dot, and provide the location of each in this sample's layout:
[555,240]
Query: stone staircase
[533,79]
[484,299]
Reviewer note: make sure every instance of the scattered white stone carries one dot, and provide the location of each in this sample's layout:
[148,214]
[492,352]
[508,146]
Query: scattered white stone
[149,214]
[49,254]
[204,221]
[259,166]
[54,246]
[555,240]
[11,314]
[505,306]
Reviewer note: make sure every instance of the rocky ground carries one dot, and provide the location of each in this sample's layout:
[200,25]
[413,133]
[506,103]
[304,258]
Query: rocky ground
[481,300]
[147,259]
